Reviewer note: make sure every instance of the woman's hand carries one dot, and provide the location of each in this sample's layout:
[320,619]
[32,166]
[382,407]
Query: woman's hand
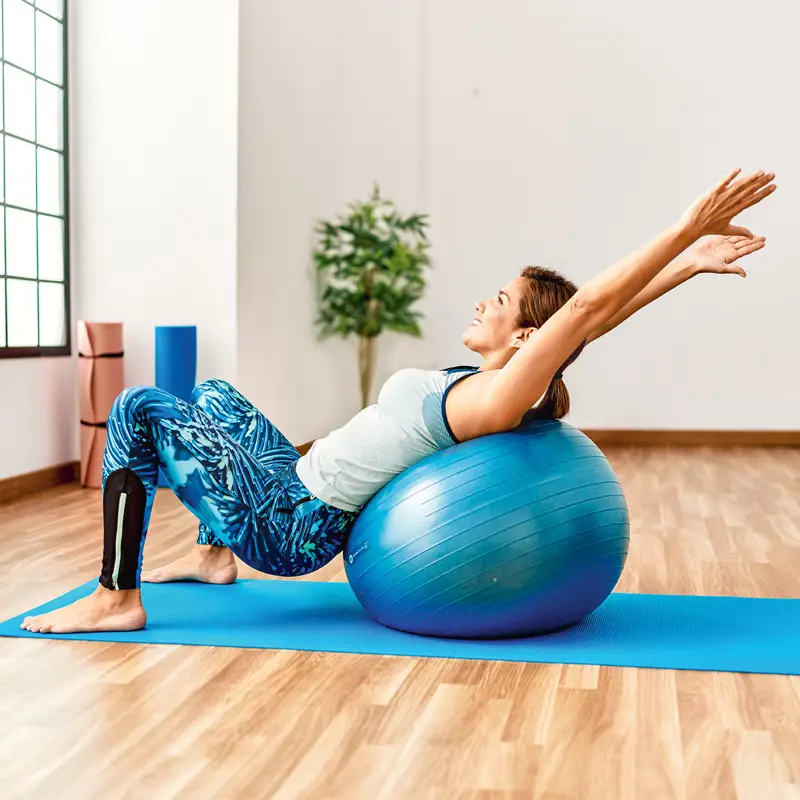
[718,253]
[712,213]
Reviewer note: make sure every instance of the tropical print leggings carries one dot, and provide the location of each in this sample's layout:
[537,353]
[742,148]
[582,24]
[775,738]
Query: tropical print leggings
[229,465]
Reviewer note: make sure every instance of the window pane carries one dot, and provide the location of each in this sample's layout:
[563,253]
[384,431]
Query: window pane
[20,173]
[2,167]
[54,7]
[20,243]
[23,322]
[51,248]
[2,312]
[1,104]
[20,102]
[18,33]
[51,182]
[49,49]
[52,322]
[49,115]
[2,241]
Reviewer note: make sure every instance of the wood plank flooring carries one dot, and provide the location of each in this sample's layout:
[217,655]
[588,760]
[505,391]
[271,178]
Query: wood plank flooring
[86,720]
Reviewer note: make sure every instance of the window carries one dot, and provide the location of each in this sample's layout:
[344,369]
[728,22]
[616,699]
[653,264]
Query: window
[34,235]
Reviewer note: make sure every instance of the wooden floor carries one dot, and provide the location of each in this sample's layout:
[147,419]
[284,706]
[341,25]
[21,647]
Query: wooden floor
[86,720]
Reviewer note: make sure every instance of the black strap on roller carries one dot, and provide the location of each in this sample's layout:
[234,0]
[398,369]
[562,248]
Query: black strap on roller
[102,355]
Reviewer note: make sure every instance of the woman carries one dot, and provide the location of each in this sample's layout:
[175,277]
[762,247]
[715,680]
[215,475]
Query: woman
[286,515]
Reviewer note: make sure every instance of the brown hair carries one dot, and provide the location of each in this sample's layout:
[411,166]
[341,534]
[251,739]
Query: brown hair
[544,293]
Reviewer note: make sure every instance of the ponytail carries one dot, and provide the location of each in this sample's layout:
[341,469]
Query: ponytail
[544,292]
[555,404]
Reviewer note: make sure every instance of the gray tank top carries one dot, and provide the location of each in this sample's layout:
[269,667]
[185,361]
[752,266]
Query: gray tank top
[408,423]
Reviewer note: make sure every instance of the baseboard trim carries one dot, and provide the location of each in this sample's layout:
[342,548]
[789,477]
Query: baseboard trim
[683,438]
[20,485]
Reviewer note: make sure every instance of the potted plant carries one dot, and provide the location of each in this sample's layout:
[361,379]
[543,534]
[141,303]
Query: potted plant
[369,266]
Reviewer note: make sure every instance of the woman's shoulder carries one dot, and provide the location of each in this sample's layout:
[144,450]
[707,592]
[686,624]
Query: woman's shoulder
[441,375]
[463,403]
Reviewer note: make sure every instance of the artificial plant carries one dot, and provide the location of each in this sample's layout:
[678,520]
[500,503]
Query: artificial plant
[370,265]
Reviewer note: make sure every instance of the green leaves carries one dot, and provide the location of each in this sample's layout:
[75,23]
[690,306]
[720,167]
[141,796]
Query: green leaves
[370,265]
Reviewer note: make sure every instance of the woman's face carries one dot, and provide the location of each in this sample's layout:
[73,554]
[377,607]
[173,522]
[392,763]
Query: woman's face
[494,327]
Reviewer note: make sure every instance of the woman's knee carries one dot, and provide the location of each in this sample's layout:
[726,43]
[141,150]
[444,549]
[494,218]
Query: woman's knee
[206,389]
[135,399]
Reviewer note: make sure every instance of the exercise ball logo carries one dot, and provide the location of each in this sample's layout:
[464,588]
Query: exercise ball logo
[352,557]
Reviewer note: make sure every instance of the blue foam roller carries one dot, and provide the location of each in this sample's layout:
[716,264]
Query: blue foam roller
[176,364]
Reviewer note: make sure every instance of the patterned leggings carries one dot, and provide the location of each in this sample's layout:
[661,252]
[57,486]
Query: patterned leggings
[229,465]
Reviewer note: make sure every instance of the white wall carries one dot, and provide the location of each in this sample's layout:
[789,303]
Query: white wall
[154,112]
[153,130]
[557,133]
[569,133]
[38,412]
[565,134]
[329,103]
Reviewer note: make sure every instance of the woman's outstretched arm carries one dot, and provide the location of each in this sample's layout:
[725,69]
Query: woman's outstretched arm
[521,382]
[613,288]
[716,254]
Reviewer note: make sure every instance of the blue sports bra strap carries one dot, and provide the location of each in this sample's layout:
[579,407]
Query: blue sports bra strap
[469,372]
[463,368]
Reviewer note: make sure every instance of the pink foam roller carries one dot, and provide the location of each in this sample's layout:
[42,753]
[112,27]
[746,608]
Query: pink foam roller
[101,379]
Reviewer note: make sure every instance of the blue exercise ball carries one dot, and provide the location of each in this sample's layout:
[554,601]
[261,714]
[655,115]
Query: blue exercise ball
[511,534]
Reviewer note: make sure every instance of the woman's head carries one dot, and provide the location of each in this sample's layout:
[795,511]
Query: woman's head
[503,323]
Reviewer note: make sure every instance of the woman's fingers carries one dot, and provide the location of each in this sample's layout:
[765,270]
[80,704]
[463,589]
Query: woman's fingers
[750,184]
[750,248]
[751,200]
[713,212]
[762,181]
[736,194]
[726,268]
[727,180]
[745,241]
[755,191]
[735,230]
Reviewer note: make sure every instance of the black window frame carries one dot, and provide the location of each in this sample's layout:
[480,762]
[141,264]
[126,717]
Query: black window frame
[65,349]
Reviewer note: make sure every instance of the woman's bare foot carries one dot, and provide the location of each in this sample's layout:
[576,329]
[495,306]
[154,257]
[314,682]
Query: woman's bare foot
[103,610]
[206,563]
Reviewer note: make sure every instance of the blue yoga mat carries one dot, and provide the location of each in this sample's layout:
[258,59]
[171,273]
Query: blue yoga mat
[723,634]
